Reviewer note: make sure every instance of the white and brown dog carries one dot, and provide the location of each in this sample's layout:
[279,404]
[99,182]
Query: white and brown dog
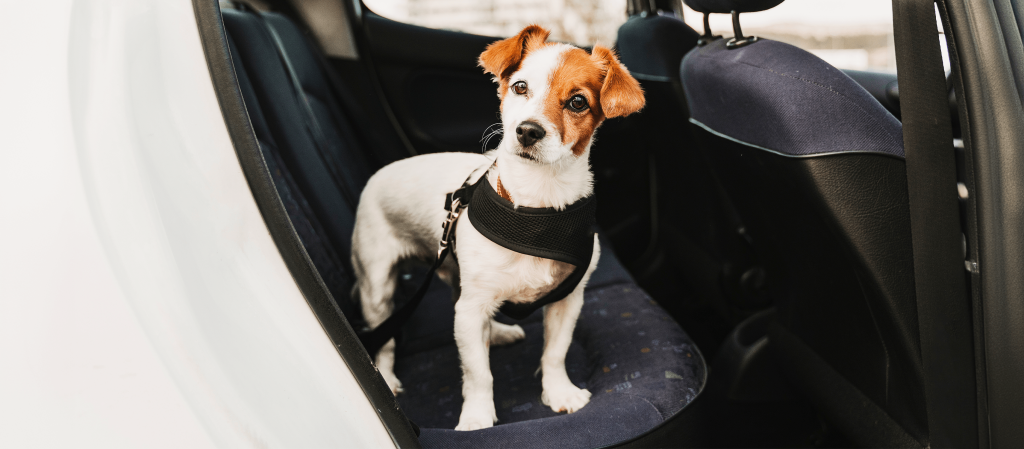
[554,96]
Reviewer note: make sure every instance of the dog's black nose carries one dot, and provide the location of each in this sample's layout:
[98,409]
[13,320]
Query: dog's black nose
[529,133]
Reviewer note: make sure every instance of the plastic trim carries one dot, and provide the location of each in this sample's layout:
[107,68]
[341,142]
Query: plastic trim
[991,114]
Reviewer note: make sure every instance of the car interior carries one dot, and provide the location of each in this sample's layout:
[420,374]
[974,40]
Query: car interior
[753,285]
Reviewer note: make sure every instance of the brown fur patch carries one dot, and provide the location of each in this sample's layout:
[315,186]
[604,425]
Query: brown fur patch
[576,74]
[621,94]
[503,58]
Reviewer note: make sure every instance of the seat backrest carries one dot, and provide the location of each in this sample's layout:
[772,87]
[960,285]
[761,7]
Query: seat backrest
[319,182]
[815,166]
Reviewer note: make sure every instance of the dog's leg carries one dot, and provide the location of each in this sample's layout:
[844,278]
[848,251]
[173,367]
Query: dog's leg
[559,322]
[503,334]
[449,273]
[376,286]
[473,314]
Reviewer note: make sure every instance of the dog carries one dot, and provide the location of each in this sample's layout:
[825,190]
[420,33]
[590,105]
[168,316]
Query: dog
[554,96]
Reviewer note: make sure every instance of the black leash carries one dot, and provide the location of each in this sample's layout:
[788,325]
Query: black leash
[454,203]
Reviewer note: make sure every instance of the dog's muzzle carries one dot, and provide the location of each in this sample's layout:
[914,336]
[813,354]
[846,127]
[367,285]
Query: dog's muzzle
[529,133]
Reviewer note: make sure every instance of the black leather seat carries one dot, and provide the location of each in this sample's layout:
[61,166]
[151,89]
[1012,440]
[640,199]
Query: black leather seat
[815,166]
[640,366]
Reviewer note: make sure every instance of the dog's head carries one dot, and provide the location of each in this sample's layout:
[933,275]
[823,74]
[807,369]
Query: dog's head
[554,96]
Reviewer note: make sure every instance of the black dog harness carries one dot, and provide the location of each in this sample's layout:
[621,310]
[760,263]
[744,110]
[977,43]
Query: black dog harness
[564,235]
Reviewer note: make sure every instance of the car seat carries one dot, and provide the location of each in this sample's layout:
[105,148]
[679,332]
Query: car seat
[641,367]
[815,167]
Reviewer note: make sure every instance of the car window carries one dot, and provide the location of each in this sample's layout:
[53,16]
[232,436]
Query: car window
[847,34]
[583,22]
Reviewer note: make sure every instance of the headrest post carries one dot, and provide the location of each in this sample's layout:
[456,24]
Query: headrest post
[707,37]
[739,40]
[736,25]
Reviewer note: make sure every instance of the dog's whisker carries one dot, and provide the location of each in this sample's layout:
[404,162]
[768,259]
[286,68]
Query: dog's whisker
[488,131]
[489,134]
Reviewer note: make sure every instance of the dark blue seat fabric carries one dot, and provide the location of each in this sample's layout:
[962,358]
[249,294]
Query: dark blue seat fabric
[780,98]
[641,367]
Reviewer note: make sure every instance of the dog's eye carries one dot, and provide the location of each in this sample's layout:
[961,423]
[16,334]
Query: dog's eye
[519,88]
[578,103]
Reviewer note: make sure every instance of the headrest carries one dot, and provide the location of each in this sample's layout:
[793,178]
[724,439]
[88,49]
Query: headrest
[728,6]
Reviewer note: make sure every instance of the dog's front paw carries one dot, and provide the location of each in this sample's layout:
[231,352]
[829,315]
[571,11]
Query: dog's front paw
[503,334]
[565,398]
[477,415]
[393,382]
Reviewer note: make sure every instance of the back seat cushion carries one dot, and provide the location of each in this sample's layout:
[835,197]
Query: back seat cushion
[640,367]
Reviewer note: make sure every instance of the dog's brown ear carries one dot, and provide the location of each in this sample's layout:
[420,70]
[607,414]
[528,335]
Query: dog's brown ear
[621,93]
[502,58]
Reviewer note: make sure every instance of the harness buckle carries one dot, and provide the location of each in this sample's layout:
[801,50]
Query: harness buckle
[454,209]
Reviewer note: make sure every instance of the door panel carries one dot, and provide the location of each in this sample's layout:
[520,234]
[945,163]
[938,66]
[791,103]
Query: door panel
[431,80]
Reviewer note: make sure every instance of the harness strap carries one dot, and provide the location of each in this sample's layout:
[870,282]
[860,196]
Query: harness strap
[566,235]
[569,238]
[519,311]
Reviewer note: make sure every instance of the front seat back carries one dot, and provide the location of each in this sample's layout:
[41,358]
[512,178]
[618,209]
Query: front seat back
[815,167]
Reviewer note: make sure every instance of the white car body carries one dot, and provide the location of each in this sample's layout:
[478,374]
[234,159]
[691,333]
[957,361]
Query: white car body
[143,302]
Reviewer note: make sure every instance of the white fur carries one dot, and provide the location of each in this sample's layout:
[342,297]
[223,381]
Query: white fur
[400,215]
